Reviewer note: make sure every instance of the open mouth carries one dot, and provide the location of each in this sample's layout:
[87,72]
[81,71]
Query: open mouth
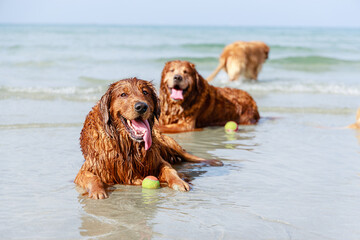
[139,130]
[177,93]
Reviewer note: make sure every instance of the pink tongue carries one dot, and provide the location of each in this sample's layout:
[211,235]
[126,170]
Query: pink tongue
[176,94]
[143,126]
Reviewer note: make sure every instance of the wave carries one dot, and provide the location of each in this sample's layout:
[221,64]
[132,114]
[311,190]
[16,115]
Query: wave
[313,60]
[93,80]
[298,63]
[37,47]
[290,48]
[289,87]
[196,60]
[51,93]
[118,45]
[93,94]
[307,110]
[204,46]
[39,125]
[312,63]
[37,64]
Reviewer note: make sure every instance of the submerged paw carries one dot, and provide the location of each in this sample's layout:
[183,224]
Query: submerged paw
[180,186]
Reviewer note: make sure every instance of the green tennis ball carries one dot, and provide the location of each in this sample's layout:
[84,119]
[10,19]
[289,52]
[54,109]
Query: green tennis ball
[151,182]
[231,126]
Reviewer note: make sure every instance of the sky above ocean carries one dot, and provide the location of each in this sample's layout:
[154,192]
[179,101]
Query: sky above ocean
[305,13]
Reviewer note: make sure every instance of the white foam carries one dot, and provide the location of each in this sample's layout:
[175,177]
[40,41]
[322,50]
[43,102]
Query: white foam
[48,93]
[291,87]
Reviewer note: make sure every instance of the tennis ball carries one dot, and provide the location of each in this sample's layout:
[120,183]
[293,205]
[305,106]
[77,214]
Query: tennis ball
[231,126]
[151,182]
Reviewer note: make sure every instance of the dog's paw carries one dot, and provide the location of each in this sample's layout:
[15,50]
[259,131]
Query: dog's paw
[214,162]
[180,185]
[98,193]
[137,181]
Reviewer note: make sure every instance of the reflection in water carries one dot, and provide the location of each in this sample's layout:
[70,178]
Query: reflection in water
[149,196]
[129,211]
[200,143]
[230,136]
[126,214]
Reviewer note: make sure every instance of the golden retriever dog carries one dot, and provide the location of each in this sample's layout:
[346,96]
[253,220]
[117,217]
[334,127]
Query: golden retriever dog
[189,102]
[356,125]
[121,145]
[242,59]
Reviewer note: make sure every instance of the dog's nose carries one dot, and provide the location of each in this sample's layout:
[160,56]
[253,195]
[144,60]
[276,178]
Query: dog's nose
[178,78]
[141,107]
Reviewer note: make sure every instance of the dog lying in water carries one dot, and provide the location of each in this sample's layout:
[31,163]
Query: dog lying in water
[189,102]
[121,144]
[242,59]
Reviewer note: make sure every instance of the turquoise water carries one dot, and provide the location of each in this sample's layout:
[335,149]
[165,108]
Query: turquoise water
[295,175]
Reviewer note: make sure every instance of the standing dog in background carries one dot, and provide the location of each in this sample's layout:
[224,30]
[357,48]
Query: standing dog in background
[242,59]
[189,102]
[121,144]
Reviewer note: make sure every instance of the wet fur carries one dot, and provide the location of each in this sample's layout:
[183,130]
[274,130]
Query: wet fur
[203,104]
[113,157]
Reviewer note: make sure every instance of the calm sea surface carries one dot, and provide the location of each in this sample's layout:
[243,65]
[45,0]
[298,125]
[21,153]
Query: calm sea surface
[295,175]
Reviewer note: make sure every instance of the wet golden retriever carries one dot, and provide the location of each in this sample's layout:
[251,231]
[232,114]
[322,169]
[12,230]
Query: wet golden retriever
[121,145]
[242,59]
[189,102]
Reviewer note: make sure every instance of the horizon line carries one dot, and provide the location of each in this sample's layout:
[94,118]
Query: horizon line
[174,25]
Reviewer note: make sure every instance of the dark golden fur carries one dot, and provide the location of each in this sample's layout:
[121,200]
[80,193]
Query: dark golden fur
[242,59]
[189,102]
[116,152]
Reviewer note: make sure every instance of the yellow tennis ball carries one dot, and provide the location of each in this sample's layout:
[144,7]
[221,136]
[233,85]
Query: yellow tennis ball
[231,126]
[151,182]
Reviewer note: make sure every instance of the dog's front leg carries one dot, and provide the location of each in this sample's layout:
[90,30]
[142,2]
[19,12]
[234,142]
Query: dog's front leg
[171,177]
[191,158]
[170,145]
[181,126]
[91,183]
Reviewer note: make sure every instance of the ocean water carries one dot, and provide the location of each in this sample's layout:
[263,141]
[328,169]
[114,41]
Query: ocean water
[295,175]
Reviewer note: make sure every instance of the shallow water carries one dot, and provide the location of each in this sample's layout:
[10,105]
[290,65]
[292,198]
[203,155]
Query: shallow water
[295,175]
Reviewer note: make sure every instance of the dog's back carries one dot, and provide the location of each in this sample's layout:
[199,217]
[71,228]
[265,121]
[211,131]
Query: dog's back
[227,104]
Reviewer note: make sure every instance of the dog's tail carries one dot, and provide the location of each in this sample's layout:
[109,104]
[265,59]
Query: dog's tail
[217,70]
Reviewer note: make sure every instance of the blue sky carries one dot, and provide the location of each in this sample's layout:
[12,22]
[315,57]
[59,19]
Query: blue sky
[323,13]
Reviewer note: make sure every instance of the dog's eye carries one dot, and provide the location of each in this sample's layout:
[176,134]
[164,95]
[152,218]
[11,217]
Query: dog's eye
[185,71]
[172,70]
[145,92]
[123,95]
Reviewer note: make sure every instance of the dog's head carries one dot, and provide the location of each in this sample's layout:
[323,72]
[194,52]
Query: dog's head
[180,80]
[130,106]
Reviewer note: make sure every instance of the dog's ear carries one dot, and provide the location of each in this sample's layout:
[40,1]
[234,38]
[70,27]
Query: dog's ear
[165,69]
[104,107]
[200,85]
[163,85]
[200,81]
[157,110]
[156,100]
